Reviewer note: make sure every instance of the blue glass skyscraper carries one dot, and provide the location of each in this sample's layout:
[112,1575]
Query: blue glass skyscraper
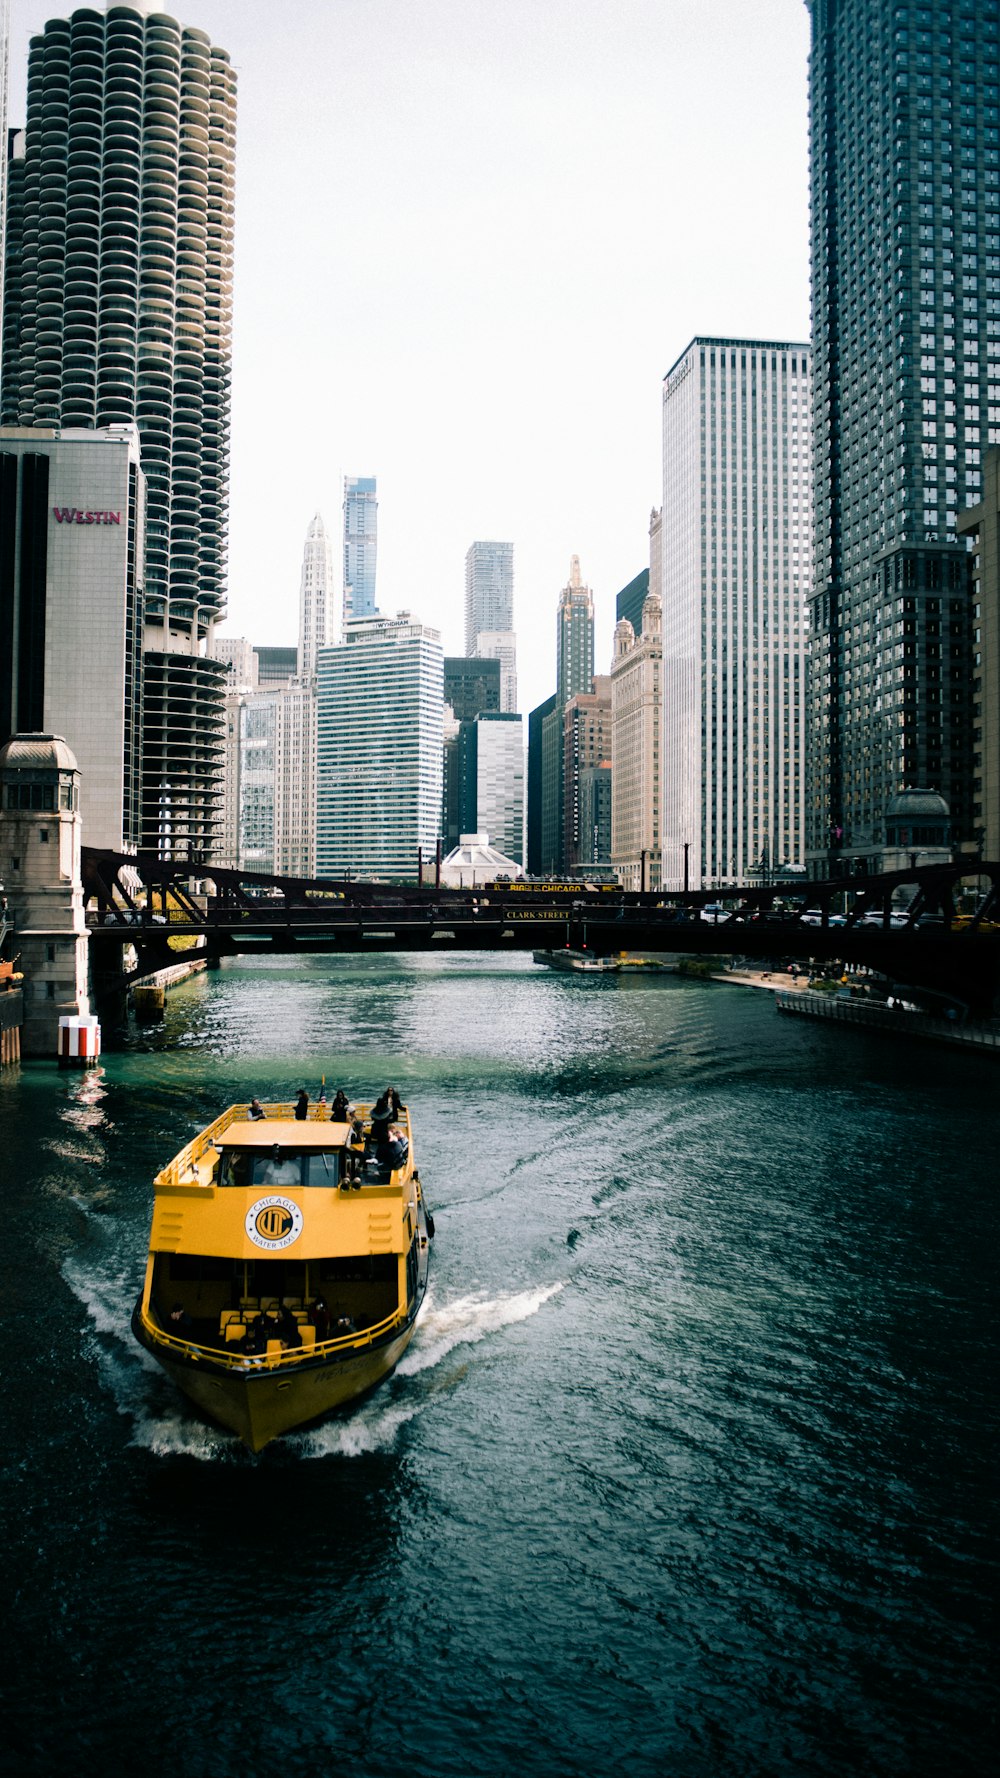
[360,545]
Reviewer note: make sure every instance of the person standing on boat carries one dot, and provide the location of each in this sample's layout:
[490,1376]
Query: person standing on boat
[341,1111]
[382,1117]
[301,1105]
[256,1111]
[354,1158]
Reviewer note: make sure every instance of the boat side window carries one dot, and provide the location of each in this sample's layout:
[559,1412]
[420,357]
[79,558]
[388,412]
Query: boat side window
[321,1167]
[234,1168]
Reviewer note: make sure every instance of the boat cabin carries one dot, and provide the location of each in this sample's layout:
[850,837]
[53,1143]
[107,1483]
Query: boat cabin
[275,1238]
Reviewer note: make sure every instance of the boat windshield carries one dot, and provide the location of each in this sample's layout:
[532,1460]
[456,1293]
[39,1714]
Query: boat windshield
[279,1166]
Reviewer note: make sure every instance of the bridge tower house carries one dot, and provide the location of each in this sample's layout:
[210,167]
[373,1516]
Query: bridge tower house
[40,867]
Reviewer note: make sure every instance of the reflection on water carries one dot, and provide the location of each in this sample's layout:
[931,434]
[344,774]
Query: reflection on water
[685,1470]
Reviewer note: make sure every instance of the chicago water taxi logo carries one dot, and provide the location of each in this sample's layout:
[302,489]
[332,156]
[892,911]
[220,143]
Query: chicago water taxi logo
[274,1222]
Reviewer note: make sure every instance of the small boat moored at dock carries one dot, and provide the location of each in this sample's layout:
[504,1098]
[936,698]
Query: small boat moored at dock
[584,962]
[286,1268]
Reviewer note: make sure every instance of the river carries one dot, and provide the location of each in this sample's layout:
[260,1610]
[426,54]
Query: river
[689,1470]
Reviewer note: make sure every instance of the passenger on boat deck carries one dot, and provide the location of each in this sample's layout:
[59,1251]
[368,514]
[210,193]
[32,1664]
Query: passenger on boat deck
[319,1315]
[280,1172]
[341,1111]
[288,1327]
[394,1150]
[301,1105]
[395,1102]
[257,1110]
[354,1154]
[179,1316]
[382,1116]
[253,1340]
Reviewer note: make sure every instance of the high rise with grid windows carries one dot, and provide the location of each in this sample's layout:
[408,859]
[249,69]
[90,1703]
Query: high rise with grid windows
[360,545]
[118,311]
[905,198]
[379,753]
[489,612]
[736,535]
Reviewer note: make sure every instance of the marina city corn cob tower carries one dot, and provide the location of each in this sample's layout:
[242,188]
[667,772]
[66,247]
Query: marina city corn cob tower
[118,309]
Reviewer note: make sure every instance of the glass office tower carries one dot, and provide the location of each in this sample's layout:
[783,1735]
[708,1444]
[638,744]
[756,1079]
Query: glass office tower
[360,545]
[489,590]
[905,197]
[380,749]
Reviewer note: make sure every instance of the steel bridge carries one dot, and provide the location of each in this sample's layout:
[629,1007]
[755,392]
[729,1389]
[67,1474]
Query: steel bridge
[939,944]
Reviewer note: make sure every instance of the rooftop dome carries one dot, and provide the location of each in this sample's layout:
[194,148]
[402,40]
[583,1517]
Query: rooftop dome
[909,805]
[38,753]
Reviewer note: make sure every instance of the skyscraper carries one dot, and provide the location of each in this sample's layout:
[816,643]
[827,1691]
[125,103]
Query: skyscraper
[736,532]
[315,597]
[471,685]
[379,748]
[636,744]
[4,54]
[586,752]
[574,636]
[574,673]
[489,613]
[489,590]
[118,311]
[905,192]
[981,525]
[491,751]
[360,545]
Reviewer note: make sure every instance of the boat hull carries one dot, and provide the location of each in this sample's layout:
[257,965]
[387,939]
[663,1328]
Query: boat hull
[258,1404]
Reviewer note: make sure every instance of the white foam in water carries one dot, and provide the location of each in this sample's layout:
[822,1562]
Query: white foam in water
[107,1296]
[466,1320]
[142,1394]
[371,1428]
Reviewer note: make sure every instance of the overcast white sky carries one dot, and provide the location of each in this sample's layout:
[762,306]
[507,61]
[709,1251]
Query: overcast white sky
[471,238]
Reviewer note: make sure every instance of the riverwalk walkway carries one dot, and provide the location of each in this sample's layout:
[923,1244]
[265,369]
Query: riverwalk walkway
[794,996]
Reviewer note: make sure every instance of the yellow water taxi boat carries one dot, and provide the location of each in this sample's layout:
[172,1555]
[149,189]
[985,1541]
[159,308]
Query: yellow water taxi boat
[286,1268]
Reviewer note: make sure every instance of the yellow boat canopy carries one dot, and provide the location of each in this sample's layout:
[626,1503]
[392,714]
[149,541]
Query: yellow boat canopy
[286,1132]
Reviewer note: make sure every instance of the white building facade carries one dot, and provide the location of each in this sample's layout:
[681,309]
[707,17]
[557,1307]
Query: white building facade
[636,680]
[72,513]
[736,562]
[316,600]
[380,728]
[277,775]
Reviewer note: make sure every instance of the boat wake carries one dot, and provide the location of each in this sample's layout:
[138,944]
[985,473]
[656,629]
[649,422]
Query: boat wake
[466,1320]
[162,1424]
